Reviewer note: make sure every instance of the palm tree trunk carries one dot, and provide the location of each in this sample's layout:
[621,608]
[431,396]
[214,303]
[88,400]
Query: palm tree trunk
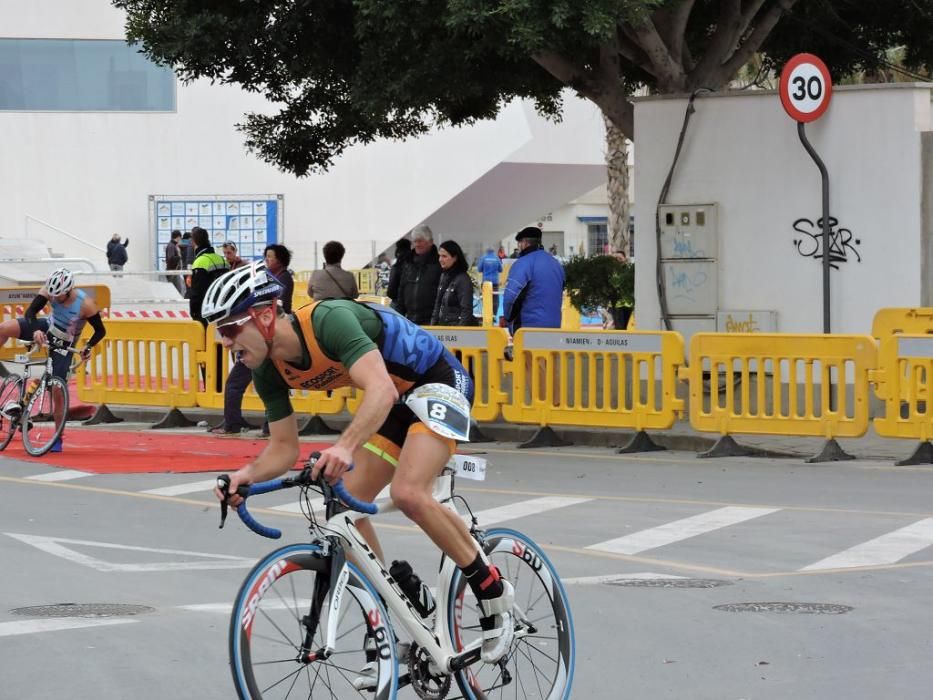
[617,186]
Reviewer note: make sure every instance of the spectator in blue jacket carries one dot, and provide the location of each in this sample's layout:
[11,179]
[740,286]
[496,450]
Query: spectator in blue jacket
[489,266]
[533,291]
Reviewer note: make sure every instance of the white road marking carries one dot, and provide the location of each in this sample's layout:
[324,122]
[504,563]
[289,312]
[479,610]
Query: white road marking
[56,546]
[268,604]
[524,508]
[60,475]
[180,489]
[612,578]
[887,549]
[10,629]
[681,529]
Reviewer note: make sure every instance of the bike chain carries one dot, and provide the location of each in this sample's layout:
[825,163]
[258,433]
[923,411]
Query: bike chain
[426,685]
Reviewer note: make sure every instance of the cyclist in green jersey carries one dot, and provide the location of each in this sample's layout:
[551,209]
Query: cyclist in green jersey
[336,343]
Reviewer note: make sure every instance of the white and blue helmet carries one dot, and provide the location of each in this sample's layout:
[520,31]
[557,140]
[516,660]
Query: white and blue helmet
[238,290]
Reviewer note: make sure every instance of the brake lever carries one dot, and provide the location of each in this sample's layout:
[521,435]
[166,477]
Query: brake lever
[223,483]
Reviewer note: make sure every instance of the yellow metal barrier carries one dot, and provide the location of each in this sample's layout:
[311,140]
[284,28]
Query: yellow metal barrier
[780,384]
[148,363]
[481,351]
[905,376]
[609,379]
[890,321]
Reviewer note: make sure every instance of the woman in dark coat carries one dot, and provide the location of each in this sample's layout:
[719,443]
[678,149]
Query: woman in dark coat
[453,305]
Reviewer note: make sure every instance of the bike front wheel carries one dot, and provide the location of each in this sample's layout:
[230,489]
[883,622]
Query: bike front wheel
[44,417]
[11,397]
[279,628]
[540,663]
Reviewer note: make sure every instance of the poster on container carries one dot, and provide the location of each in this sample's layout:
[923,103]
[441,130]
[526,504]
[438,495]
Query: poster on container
[250,221]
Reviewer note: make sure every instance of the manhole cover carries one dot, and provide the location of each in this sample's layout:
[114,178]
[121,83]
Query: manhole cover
[83,610]
[787,608]
[668,583]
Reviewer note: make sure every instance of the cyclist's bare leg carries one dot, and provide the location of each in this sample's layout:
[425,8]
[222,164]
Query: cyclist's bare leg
[371,473]
[9,329]
[422,459]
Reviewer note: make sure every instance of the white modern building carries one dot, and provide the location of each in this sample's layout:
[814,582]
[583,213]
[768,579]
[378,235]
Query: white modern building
[96,140]
[740,237]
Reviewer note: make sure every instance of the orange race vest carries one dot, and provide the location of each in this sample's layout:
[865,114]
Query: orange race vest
[324,374]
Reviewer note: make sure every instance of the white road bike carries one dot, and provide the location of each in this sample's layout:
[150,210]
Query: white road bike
[307,620]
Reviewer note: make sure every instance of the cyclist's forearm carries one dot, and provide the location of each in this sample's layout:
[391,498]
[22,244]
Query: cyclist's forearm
[274,461]
[38,303]
[99,331]
[369,417]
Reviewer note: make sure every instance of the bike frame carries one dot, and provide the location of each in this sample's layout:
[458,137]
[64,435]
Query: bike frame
[436,640]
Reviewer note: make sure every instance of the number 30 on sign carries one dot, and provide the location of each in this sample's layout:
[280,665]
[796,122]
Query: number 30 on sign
[806,87]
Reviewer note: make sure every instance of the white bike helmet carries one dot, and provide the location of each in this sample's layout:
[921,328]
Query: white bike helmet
[238,290]
[61,281]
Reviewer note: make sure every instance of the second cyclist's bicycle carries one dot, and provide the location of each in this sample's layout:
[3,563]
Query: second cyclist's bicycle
[307,619]
[36,407]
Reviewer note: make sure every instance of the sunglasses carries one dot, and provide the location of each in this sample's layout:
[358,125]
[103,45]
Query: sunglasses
[232,329]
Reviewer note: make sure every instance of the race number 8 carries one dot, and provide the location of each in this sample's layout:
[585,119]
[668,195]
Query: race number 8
[438,411]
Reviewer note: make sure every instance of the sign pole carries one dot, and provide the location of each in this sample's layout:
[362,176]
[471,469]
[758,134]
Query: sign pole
[805,90]
[824,175]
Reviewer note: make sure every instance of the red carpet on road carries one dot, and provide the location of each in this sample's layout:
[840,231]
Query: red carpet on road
[127,452]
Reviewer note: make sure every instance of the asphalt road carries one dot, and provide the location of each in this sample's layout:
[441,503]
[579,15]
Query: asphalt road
[735,531]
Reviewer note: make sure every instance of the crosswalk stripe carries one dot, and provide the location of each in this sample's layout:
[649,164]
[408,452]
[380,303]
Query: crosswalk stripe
[525,508]
[60,475]
[179,489]
[10,629]
[680,529]
[886,549]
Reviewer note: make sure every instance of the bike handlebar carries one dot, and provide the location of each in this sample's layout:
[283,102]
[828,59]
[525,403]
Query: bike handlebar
[303,479]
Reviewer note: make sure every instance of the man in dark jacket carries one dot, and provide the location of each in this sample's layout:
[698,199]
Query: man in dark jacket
[418,278]
[206,267]
[533,291]
[116,252]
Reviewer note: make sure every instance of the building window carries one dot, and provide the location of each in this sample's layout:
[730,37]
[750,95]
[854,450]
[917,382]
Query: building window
[597,239]
[68,75]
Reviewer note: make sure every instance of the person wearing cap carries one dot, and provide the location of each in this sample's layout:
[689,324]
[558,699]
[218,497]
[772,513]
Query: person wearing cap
[532,296]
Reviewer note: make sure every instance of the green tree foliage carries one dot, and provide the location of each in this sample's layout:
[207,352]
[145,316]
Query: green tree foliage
[599,281]
[349,71]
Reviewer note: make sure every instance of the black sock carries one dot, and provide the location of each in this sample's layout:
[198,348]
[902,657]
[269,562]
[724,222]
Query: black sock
[483,579]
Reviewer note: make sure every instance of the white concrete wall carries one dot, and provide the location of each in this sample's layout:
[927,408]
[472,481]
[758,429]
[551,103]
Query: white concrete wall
[742,152]
[91,173]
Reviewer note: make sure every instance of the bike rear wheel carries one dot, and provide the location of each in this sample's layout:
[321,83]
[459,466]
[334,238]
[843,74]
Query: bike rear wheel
[44,417]
[11,391]
[268,629]
[540,663]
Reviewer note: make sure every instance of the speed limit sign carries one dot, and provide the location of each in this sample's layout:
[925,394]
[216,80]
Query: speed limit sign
[805,87]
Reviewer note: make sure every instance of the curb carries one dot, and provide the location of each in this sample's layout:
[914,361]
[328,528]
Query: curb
[498,432]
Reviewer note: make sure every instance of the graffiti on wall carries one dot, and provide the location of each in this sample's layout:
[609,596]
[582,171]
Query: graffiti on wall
[843,245]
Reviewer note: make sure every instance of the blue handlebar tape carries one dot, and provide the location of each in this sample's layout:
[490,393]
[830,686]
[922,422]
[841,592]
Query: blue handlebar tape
[265,487]
[354,503]
[257,527]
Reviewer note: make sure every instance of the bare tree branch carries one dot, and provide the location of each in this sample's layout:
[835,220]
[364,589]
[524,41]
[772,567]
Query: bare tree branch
[748,14]
[632,52]
[754,41]
[607,95]
[670,75]
[672,25]
[721,44]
